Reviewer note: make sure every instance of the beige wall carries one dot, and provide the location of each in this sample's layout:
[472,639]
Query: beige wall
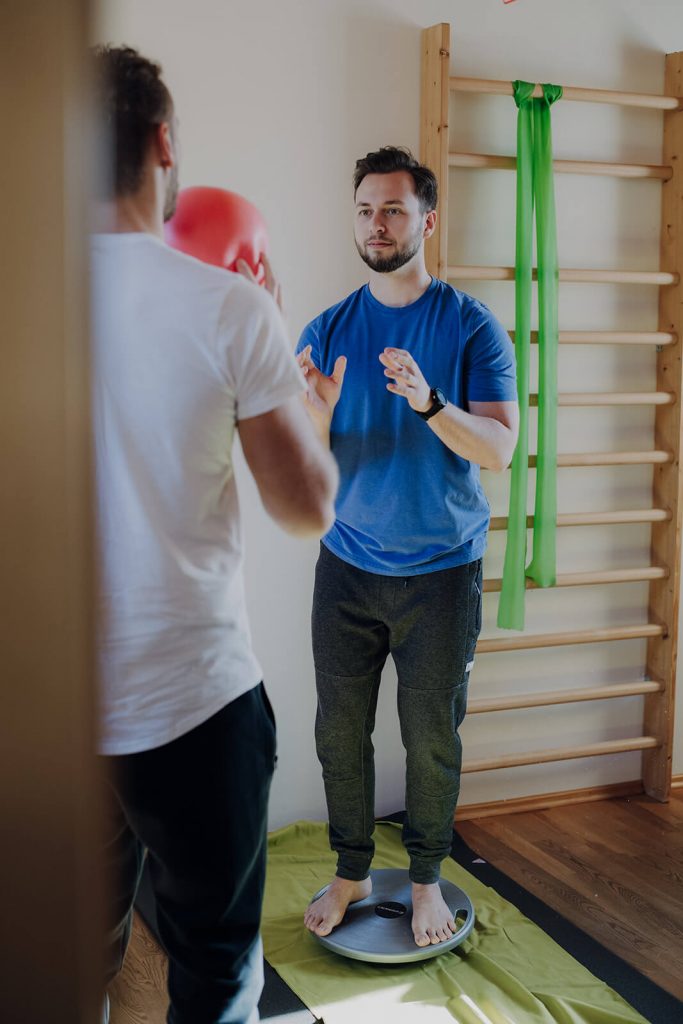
[276,101]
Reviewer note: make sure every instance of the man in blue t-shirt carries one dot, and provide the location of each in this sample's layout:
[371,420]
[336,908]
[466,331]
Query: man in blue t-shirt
[428,396]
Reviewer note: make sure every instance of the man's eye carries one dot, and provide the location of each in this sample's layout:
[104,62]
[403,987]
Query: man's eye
[363,213]
[393,209]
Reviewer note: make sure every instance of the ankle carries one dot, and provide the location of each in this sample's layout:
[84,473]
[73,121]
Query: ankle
[424,887]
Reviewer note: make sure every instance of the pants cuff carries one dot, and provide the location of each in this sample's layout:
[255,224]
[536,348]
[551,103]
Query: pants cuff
[353,872]
[424,873]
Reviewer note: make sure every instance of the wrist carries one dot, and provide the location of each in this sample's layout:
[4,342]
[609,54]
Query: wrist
[322,429]
[437,401]
[424,405]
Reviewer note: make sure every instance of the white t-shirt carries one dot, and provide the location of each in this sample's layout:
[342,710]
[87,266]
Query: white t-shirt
[181,351]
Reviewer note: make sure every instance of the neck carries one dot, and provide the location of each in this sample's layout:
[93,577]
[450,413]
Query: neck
[402,286]
[141,212]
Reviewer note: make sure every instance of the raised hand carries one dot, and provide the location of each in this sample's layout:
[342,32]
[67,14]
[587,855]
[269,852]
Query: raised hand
[406,378]
[322,393]
[271,283]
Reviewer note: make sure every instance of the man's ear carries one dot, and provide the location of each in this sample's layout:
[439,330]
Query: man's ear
[163,138]
[430,224]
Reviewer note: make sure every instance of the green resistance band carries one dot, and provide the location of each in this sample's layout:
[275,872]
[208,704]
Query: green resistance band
[534,187]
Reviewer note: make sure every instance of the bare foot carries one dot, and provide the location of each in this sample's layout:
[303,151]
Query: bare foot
[432,920]
[326,913]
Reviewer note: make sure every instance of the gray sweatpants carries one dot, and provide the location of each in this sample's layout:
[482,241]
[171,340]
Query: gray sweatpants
[429,624]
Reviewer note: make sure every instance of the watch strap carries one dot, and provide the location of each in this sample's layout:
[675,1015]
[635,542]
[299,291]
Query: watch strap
[438,403]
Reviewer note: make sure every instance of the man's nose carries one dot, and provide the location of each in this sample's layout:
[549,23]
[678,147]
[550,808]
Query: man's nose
[378,223]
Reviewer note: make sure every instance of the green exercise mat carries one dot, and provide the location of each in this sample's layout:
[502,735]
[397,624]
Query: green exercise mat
[534,190]
[508,971]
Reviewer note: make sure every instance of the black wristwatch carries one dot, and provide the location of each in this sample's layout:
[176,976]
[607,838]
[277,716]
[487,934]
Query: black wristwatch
[439,402]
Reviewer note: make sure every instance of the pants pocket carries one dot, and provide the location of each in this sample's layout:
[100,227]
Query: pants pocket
[267,708]
[474,615]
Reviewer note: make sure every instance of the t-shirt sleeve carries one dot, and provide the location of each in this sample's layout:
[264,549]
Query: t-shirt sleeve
[490,374]
[254,350]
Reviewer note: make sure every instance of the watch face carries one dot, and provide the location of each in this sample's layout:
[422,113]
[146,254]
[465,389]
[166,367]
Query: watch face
[439,402]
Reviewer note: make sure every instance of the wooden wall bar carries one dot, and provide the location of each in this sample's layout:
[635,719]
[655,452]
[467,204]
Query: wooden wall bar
[664,456]
[436,56]
[666,536]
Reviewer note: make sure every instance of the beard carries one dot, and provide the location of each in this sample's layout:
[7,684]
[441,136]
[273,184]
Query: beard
[398,258]
[171,198]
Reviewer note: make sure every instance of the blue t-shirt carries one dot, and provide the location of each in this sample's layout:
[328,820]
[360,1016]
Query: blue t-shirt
[408,505]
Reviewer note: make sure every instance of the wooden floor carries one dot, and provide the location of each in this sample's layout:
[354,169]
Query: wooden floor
[138,995]
[614,868]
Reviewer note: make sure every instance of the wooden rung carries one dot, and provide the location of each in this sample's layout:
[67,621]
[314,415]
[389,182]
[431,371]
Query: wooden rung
[621,99]
[551,697]
[659,338]
[646,515]
[544,801]
[569,274]
[610,398]
[581,636]
[586,579]
[509,163]
[610,459]
[561,754]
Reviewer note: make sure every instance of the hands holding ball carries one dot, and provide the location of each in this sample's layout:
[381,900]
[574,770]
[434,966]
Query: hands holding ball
[223,228]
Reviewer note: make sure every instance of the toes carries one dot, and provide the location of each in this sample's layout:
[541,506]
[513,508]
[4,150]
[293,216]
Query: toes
[422,939]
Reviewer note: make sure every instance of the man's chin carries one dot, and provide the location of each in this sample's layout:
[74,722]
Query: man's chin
[379,261]
[384,268]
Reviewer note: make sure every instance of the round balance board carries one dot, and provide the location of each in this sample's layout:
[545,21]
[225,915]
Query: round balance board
[378,928]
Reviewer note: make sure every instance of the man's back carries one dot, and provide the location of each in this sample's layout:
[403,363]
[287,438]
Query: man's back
[181,350]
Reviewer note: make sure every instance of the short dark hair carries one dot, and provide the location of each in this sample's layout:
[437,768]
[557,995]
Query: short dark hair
[134,100]
[397,158]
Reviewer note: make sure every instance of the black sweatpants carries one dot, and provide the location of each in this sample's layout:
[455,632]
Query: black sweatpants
[429,624]
[198,806]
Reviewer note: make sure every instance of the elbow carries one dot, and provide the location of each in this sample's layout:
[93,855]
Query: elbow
[499,461]
[319,512]
[312,522]
[311,512]
[502,454]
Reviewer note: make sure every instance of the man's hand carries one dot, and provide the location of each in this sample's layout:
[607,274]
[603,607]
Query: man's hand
[272,285]
[322,393]
[407,379]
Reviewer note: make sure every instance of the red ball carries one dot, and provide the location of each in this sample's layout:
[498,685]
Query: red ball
[218,227]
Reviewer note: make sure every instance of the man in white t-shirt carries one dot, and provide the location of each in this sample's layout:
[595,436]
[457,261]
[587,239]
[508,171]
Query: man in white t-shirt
[184,353]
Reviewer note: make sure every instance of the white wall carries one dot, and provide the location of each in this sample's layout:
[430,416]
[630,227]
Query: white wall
[277,100]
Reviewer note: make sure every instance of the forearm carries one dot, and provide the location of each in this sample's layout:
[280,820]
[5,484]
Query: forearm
[302,502]
[323,432]
[296,477]
[321,423]
[479,439]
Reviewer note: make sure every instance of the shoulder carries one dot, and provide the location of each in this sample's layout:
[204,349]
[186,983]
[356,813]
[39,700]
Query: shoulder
[205,282]
[225,283]
[476,318]
[471,311]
